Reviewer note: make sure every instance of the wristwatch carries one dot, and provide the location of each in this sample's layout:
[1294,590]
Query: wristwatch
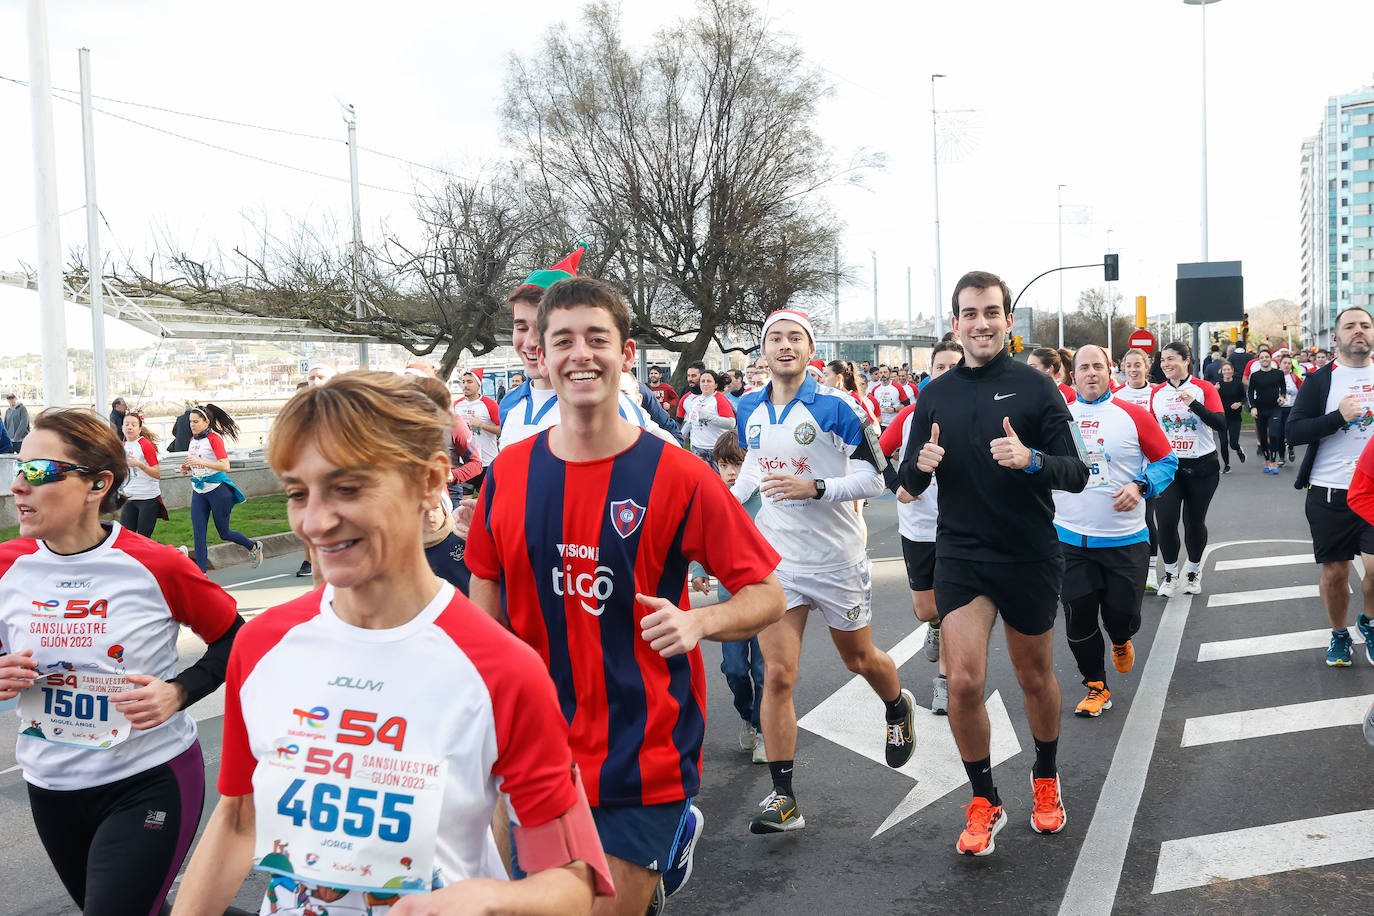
[1142,486]
[1037,461]
[820,488]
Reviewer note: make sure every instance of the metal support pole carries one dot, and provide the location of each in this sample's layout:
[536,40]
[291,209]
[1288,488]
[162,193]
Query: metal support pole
[352,120]
[51,315]
[935,163]
[1204,132]
[836,354]
[876,357]
[1061,266]
[95,269]
[1111,310]
[909,327]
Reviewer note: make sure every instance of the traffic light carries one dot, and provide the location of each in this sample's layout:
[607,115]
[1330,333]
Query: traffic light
[1140,317]
[1110,267]
[1016,344]
[1234,334]
[1245,327]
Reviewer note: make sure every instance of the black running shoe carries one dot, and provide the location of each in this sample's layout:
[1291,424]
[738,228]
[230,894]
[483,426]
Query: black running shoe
[901,734]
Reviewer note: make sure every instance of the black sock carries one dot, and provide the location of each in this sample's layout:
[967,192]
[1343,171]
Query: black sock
[781,771]
[896,710]
[1045,751]
[935,624]
[980,775]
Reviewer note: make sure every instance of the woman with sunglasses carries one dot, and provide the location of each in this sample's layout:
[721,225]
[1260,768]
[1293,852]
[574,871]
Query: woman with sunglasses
[90,613]
[143,488]
[372,727]
[213,494]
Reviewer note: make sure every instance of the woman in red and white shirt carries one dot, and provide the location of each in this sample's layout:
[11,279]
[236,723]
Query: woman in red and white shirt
[213,494]
[142,489]
[706,415]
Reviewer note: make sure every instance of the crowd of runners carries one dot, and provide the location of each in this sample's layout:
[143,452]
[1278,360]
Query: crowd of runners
[495,699]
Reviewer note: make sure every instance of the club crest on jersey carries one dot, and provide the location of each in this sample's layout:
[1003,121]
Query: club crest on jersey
[753,434]
[626,514]
[805,433]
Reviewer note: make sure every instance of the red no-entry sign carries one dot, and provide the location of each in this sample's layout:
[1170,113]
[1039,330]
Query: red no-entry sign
[1141,340]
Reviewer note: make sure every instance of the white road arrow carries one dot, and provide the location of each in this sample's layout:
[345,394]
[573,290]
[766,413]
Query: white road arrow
[850,717]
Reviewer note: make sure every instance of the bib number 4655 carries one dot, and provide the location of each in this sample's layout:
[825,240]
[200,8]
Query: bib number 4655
[360,814]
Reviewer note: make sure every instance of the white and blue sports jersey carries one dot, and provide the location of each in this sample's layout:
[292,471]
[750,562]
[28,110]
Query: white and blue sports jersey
[822,433]
[527,411]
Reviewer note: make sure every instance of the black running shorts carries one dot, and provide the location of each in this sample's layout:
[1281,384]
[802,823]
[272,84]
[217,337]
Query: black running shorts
[919,557]
[1025,594]
[1338,534]
[1117,574]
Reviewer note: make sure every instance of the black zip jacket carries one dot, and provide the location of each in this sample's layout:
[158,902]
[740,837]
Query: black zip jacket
[1266,387]
[988,512]
[1232,392]
[1310,422]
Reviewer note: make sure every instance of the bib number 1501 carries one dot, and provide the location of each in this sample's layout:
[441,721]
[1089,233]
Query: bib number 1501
[360,815]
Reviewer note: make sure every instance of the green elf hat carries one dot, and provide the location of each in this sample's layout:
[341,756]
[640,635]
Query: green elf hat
[565,269]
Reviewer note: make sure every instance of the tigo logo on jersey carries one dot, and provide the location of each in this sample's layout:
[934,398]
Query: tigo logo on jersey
[805,433]
[597,586]
[627,514]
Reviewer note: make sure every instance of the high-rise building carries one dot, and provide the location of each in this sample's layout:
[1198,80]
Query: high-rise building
[1337,219]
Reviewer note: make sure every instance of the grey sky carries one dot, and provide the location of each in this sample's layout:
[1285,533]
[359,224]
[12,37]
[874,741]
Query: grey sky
[1102,97]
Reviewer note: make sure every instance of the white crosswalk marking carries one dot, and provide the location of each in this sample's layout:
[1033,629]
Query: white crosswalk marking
[1291,559]
[1275,720]
[1263,595]
[1269,645]
[1267,850]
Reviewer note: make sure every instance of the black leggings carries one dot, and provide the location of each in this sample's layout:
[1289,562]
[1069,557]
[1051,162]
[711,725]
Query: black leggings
[1190,494]
[140,515]
[117,847]
[1278,432]
[1150,524]
[1265,426]
[1231,438]
[1085,636]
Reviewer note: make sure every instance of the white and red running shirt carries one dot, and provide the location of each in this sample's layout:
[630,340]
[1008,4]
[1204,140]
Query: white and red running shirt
[705,417]
[1140,397]
[484,410]
[889,398]
[90,619]
[1188,436]
[140,484]
[377,757]
[1121,441]
[207,448]
[916,519]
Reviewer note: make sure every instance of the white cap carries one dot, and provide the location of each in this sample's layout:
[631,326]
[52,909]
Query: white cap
[789,315]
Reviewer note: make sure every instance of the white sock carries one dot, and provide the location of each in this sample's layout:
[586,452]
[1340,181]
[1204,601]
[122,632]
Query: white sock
[1171,568]
[1192,567]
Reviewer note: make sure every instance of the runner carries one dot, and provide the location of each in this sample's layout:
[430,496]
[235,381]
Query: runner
[665,394]
[1266,389]
[840,374]
[1137,390]
[483,418]
[1333,418]
[1102,530]
[1292,382]
[996,550]
[811,451]
[533,406]
[320,371]
[706,415]
[1232,395]
[888,397]
[142,488]
[1051,362]
[213,493]
[396,791]
[115,776]
[1186,407]
[916,520]
[581,542]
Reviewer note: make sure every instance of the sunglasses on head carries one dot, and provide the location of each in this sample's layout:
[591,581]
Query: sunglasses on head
[47,470]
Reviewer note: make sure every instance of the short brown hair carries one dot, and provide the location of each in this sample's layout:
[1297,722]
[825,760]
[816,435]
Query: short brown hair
[579,291]
[1136,351]
[727,450]
[947,346]
[527,292]
[93,444]
[362,418]
[981,279]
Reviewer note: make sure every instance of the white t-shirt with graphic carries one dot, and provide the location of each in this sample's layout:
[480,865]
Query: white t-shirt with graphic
[1334,465]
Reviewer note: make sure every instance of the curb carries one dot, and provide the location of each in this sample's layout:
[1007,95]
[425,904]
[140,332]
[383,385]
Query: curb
[223,556]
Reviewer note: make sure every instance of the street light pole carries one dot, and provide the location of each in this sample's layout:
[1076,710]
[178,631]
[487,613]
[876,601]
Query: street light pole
[351,118]
[95,270]
[1111,311]
[1197,328]
[935,163]
[875,304]
[1061,265]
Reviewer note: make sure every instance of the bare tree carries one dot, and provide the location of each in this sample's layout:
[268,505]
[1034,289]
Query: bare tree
[695,161]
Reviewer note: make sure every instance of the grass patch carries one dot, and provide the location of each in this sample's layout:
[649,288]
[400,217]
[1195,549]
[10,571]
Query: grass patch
[255,517]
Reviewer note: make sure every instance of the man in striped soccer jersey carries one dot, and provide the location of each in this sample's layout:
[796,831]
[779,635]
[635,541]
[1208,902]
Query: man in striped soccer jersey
[581,543]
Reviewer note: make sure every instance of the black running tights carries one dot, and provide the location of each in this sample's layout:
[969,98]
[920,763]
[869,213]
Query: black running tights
[1230,439]
[1265,427]
[140,515]
[1085,636]
[117,847]
[1189,495]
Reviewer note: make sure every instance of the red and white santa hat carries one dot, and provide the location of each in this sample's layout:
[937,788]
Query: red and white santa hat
[789,315]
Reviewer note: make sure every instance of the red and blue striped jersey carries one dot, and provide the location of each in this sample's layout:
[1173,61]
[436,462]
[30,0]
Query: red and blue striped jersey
[570,544]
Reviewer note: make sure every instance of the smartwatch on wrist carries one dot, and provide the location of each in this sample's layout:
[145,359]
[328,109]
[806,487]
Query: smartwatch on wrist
[820,488]
[1037,461]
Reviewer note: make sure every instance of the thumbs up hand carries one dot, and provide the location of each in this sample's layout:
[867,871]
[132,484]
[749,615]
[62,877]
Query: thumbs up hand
[1009,451]
[931,454]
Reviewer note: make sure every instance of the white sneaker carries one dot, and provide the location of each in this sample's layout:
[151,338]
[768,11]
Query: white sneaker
[760,752]
[257,554]
[748,736]
[1168,586]
[1192,583]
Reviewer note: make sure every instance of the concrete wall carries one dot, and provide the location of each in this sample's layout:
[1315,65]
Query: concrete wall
[248,469]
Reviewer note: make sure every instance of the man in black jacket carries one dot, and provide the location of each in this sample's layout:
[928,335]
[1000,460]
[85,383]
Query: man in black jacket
[1333,414]
[1266,388]
[1002,438]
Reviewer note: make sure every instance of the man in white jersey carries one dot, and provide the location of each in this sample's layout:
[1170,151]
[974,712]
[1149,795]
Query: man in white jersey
[533,406]
[1334,414]
[811,452]
[483,418]
[1101,530]
[888,396]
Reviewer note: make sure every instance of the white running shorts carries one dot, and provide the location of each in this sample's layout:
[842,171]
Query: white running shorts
[844,596]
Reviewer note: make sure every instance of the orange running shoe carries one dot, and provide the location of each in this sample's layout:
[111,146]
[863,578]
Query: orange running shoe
[1047,814]
[984,820]
[1123,656]
[1098,699]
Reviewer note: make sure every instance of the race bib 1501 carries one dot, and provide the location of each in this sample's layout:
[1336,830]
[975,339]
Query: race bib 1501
[76,708]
